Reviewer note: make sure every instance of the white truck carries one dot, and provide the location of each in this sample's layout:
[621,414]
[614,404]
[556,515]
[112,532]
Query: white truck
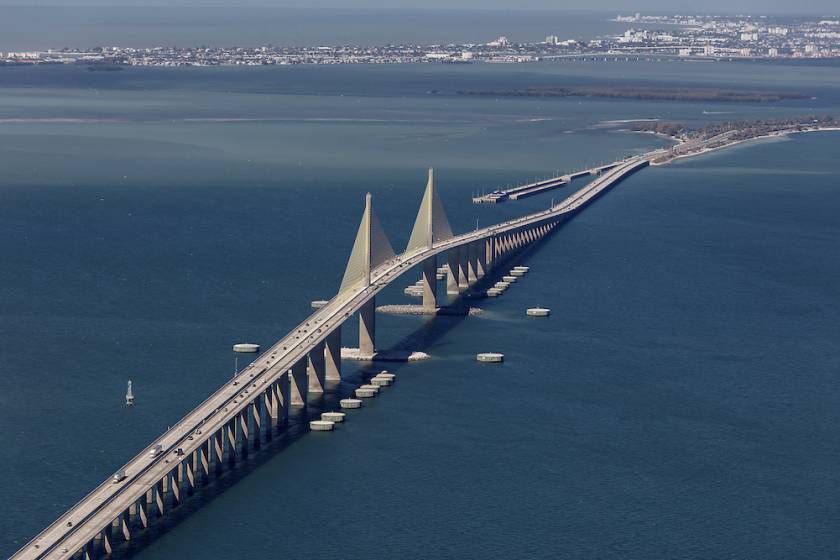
[156,450]
[119,476]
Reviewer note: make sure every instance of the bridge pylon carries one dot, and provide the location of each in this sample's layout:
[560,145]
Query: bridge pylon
[370,250]
[430,227]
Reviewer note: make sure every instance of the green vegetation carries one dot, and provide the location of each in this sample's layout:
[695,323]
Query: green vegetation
[736,130]
[653,93]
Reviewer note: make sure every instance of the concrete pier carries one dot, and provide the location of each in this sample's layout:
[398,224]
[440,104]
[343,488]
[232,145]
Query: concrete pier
[332,356]
[321,426]
[429,283]
[452,272]
[538,312]
[367,329]
[299,382]
[472,263]
[317,368]
[490,357]
[463,264]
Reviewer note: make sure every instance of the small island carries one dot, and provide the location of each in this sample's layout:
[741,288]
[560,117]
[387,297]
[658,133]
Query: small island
[690,142]
[649,93]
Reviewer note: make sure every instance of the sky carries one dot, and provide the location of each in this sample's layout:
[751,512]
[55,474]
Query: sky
[824,7]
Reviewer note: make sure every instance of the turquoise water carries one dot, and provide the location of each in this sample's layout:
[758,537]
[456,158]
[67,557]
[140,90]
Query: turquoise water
[679,402]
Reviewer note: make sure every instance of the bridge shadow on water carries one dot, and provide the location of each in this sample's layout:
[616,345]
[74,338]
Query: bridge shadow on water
[278,438]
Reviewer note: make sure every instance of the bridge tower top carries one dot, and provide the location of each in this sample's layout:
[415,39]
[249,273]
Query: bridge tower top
[370,249]
[431,225]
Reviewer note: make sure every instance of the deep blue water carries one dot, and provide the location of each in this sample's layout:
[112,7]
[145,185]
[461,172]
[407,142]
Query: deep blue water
[680,402]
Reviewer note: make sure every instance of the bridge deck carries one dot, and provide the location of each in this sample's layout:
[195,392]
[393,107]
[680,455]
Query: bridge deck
[522,191]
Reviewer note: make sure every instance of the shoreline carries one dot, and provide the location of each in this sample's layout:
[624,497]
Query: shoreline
[778,134]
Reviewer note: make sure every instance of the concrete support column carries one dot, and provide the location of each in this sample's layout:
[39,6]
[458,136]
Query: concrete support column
[159,497]
[204,456]
[490,254]
[88,551]
[257,416]
[283,392]
[452,272]
[429,280]
[106,541]
[219,447]
[463,265]
[481,263]
[245,429]
[191,468]
[367,329]
[142,513]
[231,438]
[125,525]
[270,398]
[299,382]
[175,478]
[182,472]
[332,355]
[317,368]
[472,263]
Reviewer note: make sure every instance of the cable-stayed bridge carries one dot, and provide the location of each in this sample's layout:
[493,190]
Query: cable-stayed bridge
[241,413]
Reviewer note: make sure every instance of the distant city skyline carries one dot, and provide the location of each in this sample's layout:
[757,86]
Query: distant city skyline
[827,7]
